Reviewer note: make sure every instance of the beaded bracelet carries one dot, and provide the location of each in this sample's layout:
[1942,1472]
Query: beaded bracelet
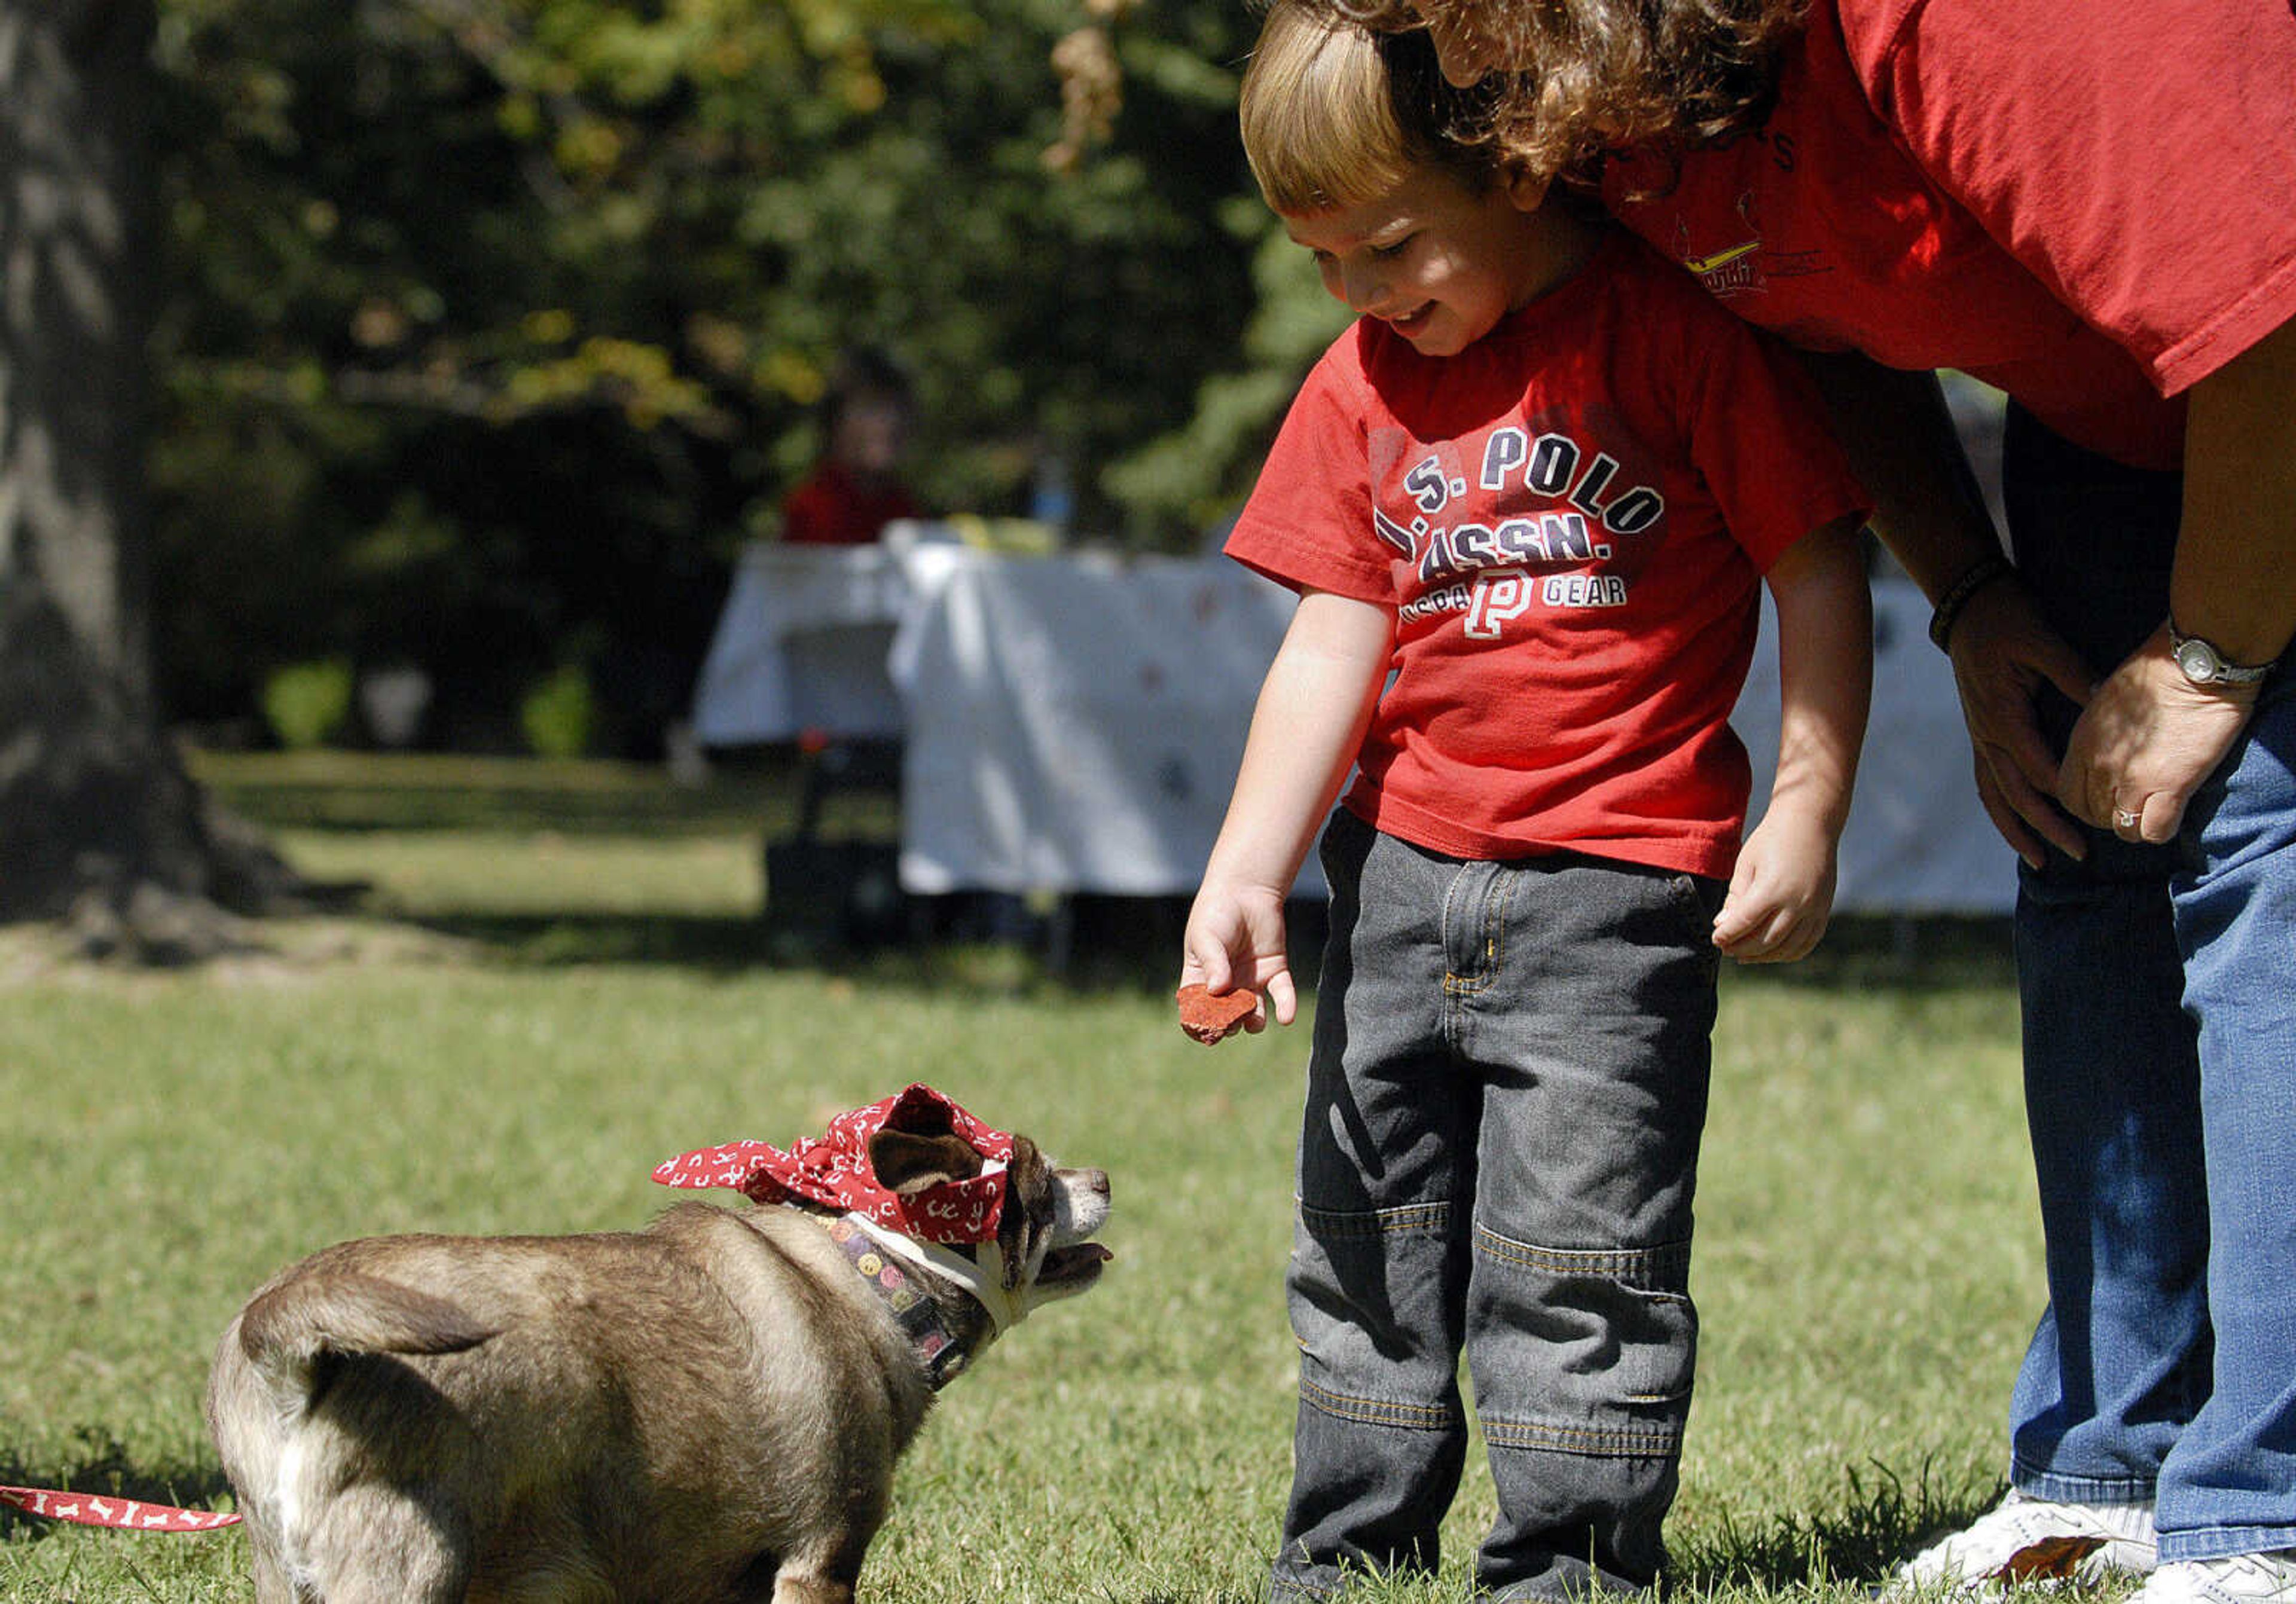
[1973,579]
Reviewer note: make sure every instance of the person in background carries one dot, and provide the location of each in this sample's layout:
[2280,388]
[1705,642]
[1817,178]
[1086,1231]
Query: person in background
[856,487]
[1541,482]
[2091,206]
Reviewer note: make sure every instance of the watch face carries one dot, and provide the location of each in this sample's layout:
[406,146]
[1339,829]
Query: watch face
[2198,661]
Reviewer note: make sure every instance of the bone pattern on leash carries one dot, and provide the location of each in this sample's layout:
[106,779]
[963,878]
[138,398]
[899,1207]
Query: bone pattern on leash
[120,1514]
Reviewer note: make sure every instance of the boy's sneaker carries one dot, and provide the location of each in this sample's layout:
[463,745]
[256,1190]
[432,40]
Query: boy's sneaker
[2027,1538]
[2241,1579]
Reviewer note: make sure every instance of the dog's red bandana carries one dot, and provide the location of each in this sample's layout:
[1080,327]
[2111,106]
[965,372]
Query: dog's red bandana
[832,1170]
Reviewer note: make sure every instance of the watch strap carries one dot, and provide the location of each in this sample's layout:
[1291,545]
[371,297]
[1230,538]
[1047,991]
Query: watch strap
[2223,671]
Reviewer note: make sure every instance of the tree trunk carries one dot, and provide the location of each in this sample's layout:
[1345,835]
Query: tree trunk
[98,818]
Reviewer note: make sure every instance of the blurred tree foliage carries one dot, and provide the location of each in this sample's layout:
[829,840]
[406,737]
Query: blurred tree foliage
[491,328]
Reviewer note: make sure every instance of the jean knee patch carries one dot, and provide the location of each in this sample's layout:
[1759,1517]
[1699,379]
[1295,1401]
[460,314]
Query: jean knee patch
[1583,1351]
[1375,1308]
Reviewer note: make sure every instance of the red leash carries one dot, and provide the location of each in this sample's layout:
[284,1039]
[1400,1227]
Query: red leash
[121,1514]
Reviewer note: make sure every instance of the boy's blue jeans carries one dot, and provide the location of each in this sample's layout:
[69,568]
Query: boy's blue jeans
[1506,1095]
[2159,991]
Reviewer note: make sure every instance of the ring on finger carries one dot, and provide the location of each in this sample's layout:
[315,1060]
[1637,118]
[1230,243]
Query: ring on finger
[2124,820]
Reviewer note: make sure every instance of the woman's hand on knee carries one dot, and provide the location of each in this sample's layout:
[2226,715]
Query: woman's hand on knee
[2005,656]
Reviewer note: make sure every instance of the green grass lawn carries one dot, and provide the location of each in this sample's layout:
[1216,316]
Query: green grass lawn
[558,978]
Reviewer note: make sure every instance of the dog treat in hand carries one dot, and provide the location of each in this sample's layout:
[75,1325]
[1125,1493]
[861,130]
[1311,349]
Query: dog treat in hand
[1210,1018]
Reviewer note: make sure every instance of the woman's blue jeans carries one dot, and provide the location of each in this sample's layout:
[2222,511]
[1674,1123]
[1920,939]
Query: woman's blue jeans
[2159,989]
[1506,1095]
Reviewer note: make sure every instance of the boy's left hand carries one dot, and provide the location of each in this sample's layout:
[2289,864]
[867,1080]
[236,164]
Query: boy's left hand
[1782,893]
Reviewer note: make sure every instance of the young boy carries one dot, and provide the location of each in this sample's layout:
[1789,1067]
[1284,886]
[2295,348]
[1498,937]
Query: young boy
[1528,501]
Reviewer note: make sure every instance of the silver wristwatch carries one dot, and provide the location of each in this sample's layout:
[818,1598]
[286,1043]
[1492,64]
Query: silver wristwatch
[2204,665]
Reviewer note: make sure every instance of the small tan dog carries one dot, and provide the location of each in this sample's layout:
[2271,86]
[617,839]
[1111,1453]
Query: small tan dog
[705,1410]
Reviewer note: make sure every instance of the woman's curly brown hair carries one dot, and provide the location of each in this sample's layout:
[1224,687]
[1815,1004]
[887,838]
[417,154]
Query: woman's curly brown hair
[1584,77]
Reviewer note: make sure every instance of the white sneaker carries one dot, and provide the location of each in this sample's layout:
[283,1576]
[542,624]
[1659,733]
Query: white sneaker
[2027,1539]
[2241,1579]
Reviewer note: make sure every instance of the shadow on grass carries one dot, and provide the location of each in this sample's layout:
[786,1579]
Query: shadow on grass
[100,1464]
[361,792]
[1090,941]
[1099,944]
[1089,944]
[1880,1522]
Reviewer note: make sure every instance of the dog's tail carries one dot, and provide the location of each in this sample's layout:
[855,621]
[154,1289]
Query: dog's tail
[286,1331]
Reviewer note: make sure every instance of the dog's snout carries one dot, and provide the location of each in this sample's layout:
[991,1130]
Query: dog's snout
[1081,1204]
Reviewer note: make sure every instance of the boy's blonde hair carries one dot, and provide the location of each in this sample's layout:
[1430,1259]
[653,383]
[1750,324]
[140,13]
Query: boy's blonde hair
[1335,114]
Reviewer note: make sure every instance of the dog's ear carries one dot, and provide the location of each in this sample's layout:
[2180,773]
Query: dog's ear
[1028,1209]
[908,1164]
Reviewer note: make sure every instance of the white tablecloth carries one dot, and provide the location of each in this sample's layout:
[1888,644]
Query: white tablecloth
[1073,722]
[800,646]
[1070,723]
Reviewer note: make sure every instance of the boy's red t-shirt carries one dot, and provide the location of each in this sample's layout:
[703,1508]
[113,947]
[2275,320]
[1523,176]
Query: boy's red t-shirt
[2089,204]
[1570,517]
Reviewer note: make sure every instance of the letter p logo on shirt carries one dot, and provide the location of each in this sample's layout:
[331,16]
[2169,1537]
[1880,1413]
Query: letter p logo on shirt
[1497,597]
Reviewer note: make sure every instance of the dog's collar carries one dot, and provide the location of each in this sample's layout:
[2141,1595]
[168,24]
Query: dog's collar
[942,1352]
[981,1276]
